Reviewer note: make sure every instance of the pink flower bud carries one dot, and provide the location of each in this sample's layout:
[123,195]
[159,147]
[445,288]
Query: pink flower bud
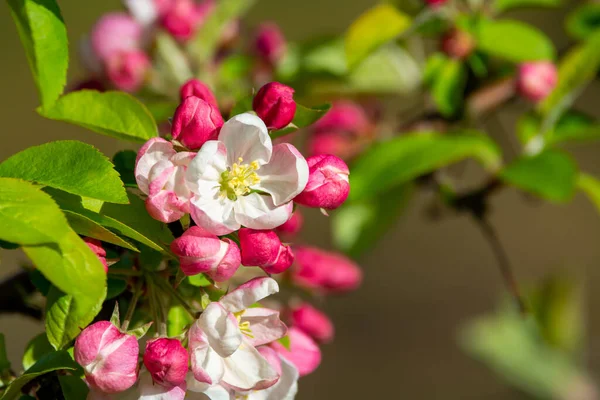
[435,3]
[196,121]
[338,143]
[109,358]
[536,80]
[203,252]
[96,246]
[128,70]
[458,44]
[167,361]
[262,248]
[270,43]
[275,105]
[303,353]
[183,18]
[115,33]
[328,185]
[344,116]
[194,87]
[313,322]
[324,271]
[293,225]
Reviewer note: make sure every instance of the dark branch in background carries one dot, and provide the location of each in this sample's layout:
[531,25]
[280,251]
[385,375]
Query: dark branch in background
[14,292]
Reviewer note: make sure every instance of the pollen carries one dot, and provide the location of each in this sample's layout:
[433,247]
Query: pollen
[244,326]
[238,179]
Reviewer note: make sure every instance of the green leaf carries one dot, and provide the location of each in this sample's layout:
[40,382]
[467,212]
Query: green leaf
[583,21]
[204,44]
[513,41]
[69,165]
[390,69]
[372,29]
[449,86]
[171,62]
[56,361]
[510,345]
[115,318]
[161,111]
[575,70]
[36,349]
[357,226]
[124,162]
[73,387]
[399,160]
[29,216]
[242,105]
[114,114]
[591,187]
[128,220]
[505,5]
[87,227]
[433,67]
[199,280]
[73,267]
[551,175]
[44,37]
[571,127]
[4,362]
[304,117]
[66,316]
[140,331]
[177,320]
[114,287]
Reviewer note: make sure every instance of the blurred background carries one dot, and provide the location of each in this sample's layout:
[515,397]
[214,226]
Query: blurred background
[397,335]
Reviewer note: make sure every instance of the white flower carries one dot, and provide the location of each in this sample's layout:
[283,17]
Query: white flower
[222,341]
[242,179]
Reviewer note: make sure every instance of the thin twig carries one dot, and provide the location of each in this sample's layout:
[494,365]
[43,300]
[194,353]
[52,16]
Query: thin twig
[123,272]
[170,290]
[503,262]
[137,292]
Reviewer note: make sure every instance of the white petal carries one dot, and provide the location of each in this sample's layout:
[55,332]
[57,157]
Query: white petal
[285,388]
[249,293]
[246,369]
[143,11]
[153,151]
[207,365]
[221,328]
[152,391]
[259,212]
[286,174]
[265,325]
[204,171]
[202,391]
[216,214]
[246,136]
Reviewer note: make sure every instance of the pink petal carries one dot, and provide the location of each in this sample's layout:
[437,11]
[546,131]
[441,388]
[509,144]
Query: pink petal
[249,293]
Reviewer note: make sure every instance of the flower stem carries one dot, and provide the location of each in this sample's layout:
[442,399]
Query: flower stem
[123,272]
[164,285]
[137,292]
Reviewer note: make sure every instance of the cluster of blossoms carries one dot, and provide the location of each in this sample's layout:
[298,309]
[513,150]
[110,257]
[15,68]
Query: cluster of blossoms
[119,50]
[240,191]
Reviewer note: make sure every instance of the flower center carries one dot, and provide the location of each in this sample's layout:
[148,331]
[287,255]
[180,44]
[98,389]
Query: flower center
[244,326]
[236,181]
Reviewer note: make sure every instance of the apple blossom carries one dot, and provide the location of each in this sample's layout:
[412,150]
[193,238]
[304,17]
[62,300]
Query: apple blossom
[293,225]
[196,88]
[275,105]
[183,17]
[202,252]
[262,248]
[312,321]
[148,390]
[536,80]
[344,116]
[242,179]
[115,33]
[222,341]
[324,271]
[167,361]
[109,357]
[303,352]
[340,144]
[328,186]
[128,70]
[96,246]
[270,43]
[287,385]
[195,122]
[458,44]
[159,172]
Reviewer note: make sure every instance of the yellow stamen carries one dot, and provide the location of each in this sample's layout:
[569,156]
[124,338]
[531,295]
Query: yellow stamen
[238,179]
[244,326]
